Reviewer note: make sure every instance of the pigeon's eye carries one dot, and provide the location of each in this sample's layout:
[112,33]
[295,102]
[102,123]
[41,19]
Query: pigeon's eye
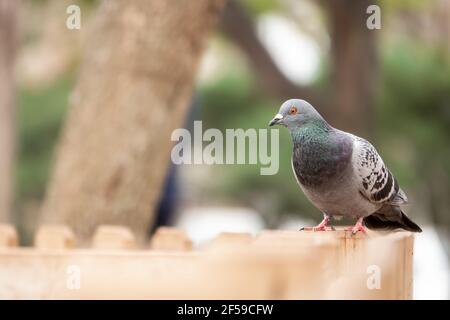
[293,110]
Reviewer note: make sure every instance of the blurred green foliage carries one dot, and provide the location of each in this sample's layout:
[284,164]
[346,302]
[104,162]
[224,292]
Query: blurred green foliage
[40,116]
[413,113]
[392,6]
[261,6]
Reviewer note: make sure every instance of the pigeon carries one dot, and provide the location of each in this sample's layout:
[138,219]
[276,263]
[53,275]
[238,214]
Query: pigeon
[341,174]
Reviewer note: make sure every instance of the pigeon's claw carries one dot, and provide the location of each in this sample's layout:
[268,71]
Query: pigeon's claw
[358,227]
[323,226]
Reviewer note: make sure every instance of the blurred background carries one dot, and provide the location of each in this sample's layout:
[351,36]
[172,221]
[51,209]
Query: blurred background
[390,85]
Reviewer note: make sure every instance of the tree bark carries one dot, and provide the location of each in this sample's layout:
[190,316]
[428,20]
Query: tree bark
[8,21]
[133,90]
[354,65]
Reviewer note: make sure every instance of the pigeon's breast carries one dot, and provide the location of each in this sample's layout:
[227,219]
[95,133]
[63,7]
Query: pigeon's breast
[317,164]
[325,173]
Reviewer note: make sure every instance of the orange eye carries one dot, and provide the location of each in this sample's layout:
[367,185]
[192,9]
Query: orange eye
[293,110]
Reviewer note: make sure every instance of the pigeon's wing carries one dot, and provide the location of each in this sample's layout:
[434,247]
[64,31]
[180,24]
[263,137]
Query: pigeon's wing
[375,181]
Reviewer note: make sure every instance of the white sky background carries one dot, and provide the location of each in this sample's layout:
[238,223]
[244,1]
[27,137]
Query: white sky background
[431,269]
[295,54]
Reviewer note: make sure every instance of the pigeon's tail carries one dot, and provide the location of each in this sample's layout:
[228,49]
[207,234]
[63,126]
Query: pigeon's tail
[390,218]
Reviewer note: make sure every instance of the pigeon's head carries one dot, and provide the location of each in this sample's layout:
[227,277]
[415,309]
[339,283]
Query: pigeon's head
[293,113]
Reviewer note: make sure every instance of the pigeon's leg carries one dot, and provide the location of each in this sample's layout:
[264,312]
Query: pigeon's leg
[321,226]
[357,227]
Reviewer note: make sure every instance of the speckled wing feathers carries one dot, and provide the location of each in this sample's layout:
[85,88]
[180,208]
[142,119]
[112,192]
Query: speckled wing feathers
[377,183]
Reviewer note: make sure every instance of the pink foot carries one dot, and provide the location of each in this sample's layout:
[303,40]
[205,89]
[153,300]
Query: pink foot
[323,226]
[358,227]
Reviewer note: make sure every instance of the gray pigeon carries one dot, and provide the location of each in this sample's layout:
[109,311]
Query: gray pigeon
[340,173]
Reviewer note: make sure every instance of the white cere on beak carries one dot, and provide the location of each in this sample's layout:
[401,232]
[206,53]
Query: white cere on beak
[276,120]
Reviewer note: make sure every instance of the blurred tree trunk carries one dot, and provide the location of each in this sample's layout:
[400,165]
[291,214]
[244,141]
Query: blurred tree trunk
[353,65]
[8,15]
[133,90]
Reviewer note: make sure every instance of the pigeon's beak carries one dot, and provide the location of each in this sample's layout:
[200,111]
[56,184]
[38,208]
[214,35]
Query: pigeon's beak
[278,119]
